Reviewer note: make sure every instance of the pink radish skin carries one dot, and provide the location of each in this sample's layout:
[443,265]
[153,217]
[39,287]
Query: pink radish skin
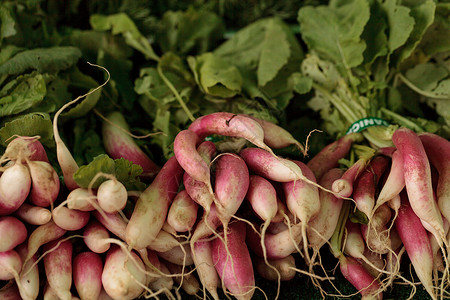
[70,219]
[416,242]
[189,282]
[178,255]
[10,292]
[182,213]
[365,185]
[355,273]
[42,235]
[262,197]
[344,186]
[119,144]
[234,268]
[87,275]
[152,206]
[12,231]
[277,245]
[112,196]
[94,236]
[28,278]
[285,266]
[81,199]
[10,265]
[228,124]
[354,245]
[438,152]
[121,278]
[33,215]
[321,228]
[30,147]
[328,158]
[15,185]
[434,244]
[58,267]
[418,183]
[113,222]
[394,183]
[202,256]
[263,163]
[45,183]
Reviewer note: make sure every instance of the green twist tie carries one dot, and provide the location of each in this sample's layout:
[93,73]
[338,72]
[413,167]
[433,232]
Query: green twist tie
[365,123]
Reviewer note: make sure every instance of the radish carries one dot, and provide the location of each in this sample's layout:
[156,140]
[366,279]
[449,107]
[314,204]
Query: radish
[119,143]
[395,182]
[182,213]
[70,219]
[45,183]
[376,265]
[87,275]
[42,235]
[329,156]
[438,152]
[416,242]
[9,291]
[167,228]
[112,196]
[58,267]
[418,183]
[355,273]
[113,222]
[33,215]
[365,186]
[10,265]
[376,233]
[178,255]
[234,265]
[28,147]
[104,295]
[163,242]
[81,199]
[202,256]
[164,283]
[188,281]
[94,235]
[12,231]
[15,185]
[121,278]
[344,185]
[28,283]
[151,208]
[285,268]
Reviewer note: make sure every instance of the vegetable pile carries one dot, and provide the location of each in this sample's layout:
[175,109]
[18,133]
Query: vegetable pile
[212,151]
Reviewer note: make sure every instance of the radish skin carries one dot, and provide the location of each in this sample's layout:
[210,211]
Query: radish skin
[189,282]
[178,255]
[182,213]
[10,265]
[45,183]
[28,282]
[202,257]
[70,219]
[94,235]
[81,199]
[87,275]
[9,292]
[112,196]
[12,231]
[15,186]
[163,242]
[113,222]
[33,215]
[377,235]
[152,206]
[58,267]
[344,186]
[285,267]
[42,235]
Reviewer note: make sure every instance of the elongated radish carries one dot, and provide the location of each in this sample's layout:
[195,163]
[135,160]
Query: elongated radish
[10,291]
[178,255]
[438,152]
[321,228]
[276,136]
[94,235]
[355,273]
[365,186]
[70,219]
[188,282]
[163,284]
[263,163]
[87,275]
[416,242]
[15,185]
[58,267]
[395,182]
[42,235]
[285,267]
[262,197]
[182,213]
[12,231]
[45,183]
[81,199]
[376,233]
[376,264]
[10,265]
[151,208]
[121,278]
[163,242]
[112,196]
[418,183]
[28,282]
[202,256]
[278,245]
[120,144]
[33,215]
[228,124]
[344,185]
[234,266]
[329,156]
[113,222]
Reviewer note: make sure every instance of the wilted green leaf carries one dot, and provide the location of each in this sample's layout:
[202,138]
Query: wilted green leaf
[7,23]
[33,124]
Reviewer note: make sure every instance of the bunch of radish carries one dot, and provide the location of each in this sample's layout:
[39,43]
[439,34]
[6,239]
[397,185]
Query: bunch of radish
[211,219]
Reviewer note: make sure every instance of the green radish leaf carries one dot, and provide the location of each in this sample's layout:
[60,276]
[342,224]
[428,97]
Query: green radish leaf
[128,173]
[85,174]
[432,41]
[33,124]
[85,106]
[400,22]
[427,76]
[7,22]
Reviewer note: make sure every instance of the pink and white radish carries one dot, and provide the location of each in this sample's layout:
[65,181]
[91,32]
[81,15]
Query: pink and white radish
[43,235]
[10,265]
[15,185]
[112,196]
[33,215]
[376,233]
[58,267]
[182,213]
[10,291]
[94,236]
[12,231]
[344,185]
[180,255]
[81,199]
[285,268]
[27,148]
[187,281]
[87,275]
[28,282]
[70,219]
[202,256]
[45,183]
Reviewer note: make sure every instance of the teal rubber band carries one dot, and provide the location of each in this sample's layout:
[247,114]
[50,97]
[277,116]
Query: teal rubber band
[365,123]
